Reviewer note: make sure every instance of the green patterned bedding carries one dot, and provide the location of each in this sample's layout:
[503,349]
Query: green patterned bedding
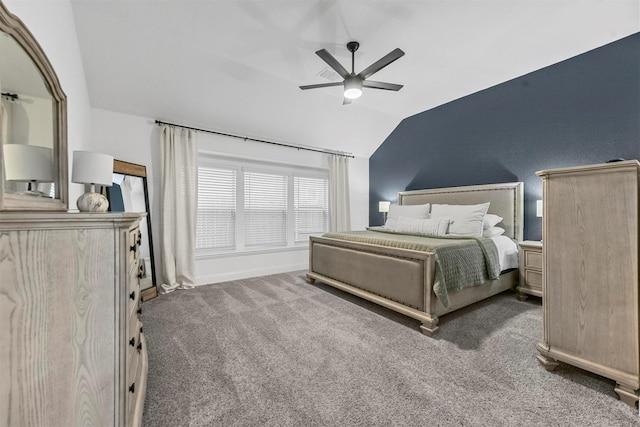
[461,262]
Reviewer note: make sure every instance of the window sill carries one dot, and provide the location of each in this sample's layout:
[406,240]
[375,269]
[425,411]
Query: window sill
[203,254]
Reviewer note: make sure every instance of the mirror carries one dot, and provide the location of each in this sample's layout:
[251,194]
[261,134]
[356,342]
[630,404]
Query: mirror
[33,127]
[129,194]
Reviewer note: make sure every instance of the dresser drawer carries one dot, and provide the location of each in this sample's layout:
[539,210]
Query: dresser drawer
[133,388]
[133,329]
[133,300]
[133,247]
[135,399]
[132,366]
[532,259]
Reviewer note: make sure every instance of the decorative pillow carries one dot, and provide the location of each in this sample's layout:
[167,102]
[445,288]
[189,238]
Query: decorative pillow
[465,220]
[422,226]
[492,232]
[491,220]
[410,211]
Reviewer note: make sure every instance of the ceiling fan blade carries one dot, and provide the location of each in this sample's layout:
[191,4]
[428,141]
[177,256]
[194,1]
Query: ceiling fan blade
[321,85]
[381,63]
[346,101]
[333,63]
[381,85]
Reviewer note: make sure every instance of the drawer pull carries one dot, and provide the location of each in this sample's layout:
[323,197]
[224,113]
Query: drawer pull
[132,295]
[140,329]
[139,310]
[133,248]
[132,342]
[139,348]
[132,388]
[139,242]
[140,276]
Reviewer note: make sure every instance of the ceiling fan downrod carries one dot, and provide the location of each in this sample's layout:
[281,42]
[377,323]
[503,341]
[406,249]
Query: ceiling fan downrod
[353,46]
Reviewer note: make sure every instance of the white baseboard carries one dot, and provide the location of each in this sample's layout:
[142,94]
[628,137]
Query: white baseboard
[246,274]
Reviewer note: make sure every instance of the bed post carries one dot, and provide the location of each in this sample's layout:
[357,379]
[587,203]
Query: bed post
[430,324]
[310,280]
[429,327]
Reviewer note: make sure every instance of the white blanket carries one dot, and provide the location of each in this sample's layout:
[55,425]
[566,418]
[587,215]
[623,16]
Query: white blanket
[507,252]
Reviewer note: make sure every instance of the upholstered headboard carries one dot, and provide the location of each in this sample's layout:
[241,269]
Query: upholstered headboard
[506,200]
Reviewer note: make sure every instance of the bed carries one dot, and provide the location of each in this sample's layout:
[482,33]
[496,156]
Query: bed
[403,279]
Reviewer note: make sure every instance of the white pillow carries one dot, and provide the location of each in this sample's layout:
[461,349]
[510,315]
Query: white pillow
[466,220]
[423,226]
[411,211]
[491,220]
[493,232]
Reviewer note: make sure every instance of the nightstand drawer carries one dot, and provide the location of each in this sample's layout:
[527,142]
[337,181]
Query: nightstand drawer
[532,259]
[533,278]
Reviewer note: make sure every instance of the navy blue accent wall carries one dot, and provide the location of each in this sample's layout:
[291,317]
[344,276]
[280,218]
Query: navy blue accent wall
[580,111]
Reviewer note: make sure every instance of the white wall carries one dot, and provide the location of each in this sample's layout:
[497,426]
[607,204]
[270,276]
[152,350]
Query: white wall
[135,139]
[52,24]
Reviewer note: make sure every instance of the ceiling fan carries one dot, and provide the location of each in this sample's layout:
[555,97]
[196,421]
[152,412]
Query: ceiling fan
[353,83]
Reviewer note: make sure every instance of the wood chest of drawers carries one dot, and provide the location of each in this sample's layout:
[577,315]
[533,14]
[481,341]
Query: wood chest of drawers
[591,303]
[73,348]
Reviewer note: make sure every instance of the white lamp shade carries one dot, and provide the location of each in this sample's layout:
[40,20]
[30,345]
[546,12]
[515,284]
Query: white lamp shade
[539,208]
[352,87]
[24,162]
[384,206]
[92,168]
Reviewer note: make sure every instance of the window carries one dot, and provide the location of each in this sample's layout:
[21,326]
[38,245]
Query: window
[216,224]
[265,209]
[244,206]
[311,204]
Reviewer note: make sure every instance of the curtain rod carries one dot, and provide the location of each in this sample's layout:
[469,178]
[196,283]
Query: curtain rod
[246,138]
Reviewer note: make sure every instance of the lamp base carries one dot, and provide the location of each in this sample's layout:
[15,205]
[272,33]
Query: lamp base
[92,202]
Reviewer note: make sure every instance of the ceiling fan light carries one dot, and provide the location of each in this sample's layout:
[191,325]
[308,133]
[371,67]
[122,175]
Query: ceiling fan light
[352,88]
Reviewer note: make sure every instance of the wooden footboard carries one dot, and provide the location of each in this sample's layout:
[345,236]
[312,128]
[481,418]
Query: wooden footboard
[399,279]
[402,279]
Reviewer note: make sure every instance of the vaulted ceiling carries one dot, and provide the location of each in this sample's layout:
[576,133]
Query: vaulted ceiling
[236,65]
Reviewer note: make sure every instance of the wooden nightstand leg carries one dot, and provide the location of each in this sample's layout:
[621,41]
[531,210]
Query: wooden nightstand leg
[310,280]
[522,297]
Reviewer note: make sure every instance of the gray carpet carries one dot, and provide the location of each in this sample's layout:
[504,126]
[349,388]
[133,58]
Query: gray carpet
[276,351]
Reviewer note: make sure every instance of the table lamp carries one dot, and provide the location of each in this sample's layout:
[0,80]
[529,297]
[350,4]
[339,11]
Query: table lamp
[383,207]
[93,169]
[28,163]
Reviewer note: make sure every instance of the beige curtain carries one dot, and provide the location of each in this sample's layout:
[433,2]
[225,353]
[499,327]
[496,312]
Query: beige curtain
[339,206]
[179,171]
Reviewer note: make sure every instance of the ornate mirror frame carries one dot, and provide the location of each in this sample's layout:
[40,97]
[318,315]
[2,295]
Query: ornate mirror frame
[12,25]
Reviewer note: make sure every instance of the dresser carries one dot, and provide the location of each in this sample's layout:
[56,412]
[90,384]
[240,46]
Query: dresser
[530,269]
[72,351]
[591,316]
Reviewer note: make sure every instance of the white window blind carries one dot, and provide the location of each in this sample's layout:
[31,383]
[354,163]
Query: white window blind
[311,206]
[216,224]
[246,206]
[265,209]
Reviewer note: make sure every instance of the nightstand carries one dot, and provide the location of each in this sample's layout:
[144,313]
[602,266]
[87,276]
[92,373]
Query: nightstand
[530,269]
